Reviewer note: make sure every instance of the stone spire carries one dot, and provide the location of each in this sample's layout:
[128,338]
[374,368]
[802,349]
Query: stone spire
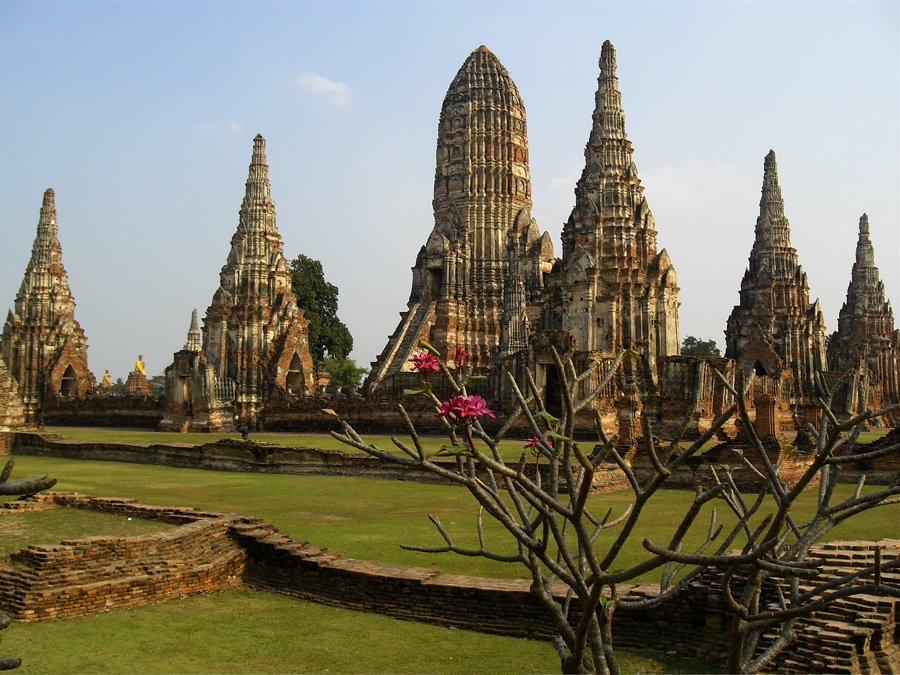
[775,329]
[43,345]
[253,329]
[866,325]
[482,193]
[773,232]
[615,290]
[194,342]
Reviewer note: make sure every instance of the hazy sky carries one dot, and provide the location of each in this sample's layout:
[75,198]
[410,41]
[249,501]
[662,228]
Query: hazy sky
[141,116]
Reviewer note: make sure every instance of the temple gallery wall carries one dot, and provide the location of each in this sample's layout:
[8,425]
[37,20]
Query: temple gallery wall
[488,281]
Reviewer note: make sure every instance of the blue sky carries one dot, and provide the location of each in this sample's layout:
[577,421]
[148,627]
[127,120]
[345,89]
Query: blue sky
[141,117]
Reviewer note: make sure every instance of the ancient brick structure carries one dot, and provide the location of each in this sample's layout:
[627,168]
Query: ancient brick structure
[43,345]
[136,385]
[255,338]
[12,409]
[483,228]
[613,290]
[865,333]
[775,331]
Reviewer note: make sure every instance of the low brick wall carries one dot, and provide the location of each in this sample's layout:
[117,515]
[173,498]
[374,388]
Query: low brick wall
[101,573]
[250,456]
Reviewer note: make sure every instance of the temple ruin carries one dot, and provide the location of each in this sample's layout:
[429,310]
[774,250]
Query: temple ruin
[254,337]
[775,331]
[612,289]
[486,282]
[483,229]
[865,339]
[43,345]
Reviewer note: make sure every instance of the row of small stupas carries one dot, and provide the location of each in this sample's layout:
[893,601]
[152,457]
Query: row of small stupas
[487,280]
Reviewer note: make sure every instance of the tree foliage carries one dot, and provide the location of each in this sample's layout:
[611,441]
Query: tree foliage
[344,372]
[319,301]
[692,346]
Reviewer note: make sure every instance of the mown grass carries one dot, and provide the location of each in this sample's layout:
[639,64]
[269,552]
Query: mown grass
[368,519]
[510,450]
[245,631]
[52,526]
[242,631]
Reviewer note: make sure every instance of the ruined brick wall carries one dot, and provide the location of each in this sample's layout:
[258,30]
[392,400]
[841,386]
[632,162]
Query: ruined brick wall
[105,411]
[237,455]
[102,573]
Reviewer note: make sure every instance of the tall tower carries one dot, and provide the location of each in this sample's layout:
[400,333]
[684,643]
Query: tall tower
[43,345]
[775,329]
[613,290]
[255,338]
[866,324]
[482,210]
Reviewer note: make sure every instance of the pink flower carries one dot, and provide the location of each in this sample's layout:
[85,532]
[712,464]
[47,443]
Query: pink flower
[464,409]
[426,363]
[461,356]
[534,442]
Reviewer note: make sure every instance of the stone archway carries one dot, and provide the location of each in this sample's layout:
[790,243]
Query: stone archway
[68,383]
[294,381]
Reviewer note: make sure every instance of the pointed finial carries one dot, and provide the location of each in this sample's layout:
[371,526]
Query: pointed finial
[864,224]
[193,343]
[608,58]
[49,198]
[259,150]
[771,192]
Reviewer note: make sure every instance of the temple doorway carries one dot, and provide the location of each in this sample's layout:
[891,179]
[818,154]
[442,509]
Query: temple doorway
[68,383]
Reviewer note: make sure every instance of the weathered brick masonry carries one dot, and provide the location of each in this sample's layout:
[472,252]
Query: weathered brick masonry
[102,573]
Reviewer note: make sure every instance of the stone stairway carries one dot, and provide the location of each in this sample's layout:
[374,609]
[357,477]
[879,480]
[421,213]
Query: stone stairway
[858,634]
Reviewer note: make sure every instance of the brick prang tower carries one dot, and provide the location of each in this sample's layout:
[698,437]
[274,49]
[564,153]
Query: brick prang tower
[482,216]
[255,338]
[42,343]
[775,330]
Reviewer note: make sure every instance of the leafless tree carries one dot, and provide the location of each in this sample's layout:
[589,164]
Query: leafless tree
[560,538]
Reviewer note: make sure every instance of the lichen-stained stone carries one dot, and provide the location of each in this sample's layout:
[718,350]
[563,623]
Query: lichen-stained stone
[775,330]
[44,347]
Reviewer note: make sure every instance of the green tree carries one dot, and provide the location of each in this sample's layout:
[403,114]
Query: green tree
[319,301]
[692,346]
[157,385]
[344,372]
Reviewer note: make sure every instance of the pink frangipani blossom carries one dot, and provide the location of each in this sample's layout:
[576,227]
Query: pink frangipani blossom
[465,409]
[426,363]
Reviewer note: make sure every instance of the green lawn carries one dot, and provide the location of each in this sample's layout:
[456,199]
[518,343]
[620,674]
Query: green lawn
[51,526]
[242,631]
[511,450]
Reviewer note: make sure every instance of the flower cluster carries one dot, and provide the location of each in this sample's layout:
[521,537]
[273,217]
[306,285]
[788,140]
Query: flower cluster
[426,363]
[464,410]
[534,442]
[462,357]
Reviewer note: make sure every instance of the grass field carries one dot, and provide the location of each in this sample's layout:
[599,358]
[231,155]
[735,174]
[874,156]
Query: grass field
[511,450]
[242,631]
